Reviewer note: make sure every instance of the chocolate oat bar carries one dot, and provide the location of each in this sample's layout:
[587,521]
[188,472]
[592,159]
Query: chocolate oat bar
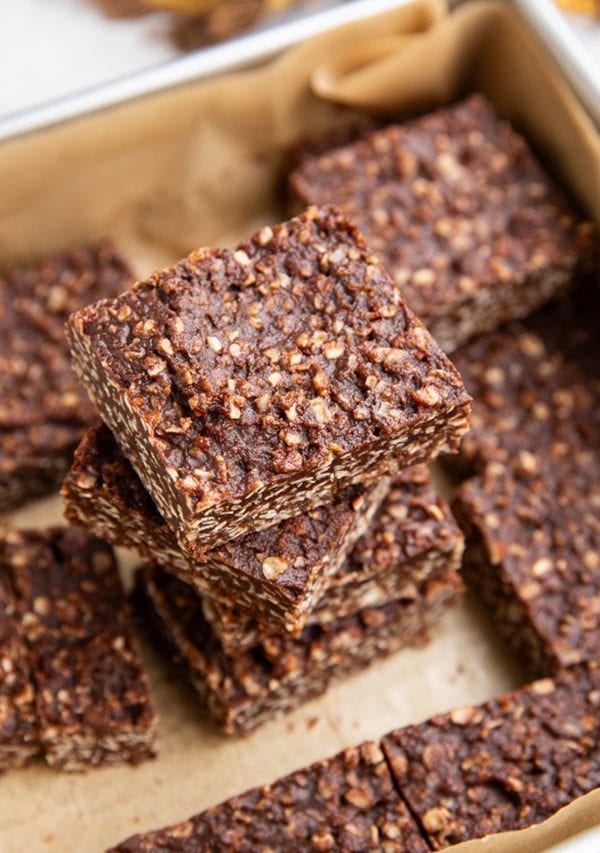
[19,742]
[533,554]
[276,575]
[344,803]
[412,536]
[43,409]
[507,764]
[91,694]
[246,386]
[531,397]
[532,510]
[461,213]
[242,691]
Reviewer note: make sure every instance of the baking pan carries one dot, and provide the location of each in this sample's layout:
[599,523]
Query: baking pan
[201,164]
[576,58]
[236,53]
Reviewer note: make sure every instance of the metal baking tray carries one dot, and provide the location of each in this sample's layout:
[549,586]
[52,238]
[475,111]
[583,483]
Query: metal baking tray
[246,50]
[575,47]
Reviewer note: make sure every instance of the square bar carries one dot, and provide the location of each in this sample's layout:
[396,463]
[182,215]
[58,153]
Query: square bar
[412,536]
[532,512]
[345,803]
[275,575]
[246,386]
[91,693]
[534,392]
[412,533]
[462,214]
[243,691]
[504,765]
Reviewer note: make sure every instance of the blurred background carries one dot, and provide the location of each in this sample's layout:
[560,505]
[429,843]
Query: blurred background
[51,49]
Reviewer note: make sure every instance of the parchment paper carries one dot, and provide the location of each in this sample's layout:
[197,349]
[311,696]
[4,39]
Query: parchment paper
[203,165]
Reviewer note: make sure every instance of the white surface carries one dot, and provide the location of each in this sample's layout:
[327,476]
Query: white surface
[78,99]
[50,48]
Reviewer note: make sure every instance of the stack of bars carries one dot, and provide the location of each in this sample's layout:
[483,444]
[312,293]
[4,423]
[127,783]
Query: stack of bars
[268,410]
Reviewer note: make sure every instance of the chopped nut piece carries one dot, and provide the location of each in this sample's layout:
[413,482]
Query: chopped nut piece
[273,567]
[214,343]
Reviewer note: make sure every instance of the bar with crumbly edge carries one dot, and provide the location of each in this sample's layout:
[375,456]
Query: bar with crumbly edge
[248,385]
[276,575]
[19,741]
[531,509]
[243,691]
[461,212]
[506,764]
[412,536]
[91,693]
[345,803]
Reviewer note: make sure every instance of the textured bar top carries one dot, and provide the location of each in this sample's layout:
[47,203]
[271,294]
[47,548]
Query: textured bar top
[346,803]
[36,379]
[43,408]
[507,764]
[19,740]
[245,385]
[92,703]
[460,211]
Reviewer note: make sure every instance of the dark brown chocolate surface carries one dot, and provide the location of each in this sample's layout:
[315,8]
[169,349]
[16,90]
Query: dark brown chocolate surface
[532,398]
[346,803]
[411,536]
[507,764]
[91,694]
[43,408]
[532,512]
[533,553]
[244,690]
[36,380]
[34,460]
[19,741]
[247,385]
[460,211]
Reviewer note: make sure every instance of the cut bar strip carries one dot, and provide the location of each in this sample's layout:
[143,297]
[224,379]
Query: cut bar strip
[532,510]
[91,693]
[533,554]
[246,386]
[43,409]
[504,765]
[344,803]
[19,741]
